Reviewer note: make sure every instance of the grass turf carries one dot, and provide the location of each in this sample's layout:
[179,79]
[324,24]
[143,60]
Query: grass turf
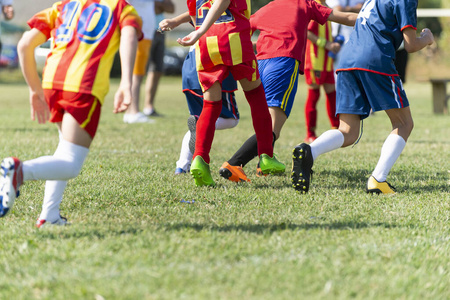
[132,237]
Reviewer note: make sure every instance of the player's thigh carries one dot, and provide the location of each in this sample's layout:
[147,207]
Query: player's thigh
[280,80]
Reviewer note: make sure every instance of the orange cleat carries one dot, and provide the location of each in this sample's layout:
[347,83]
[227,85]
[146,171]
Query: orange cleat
[233,173]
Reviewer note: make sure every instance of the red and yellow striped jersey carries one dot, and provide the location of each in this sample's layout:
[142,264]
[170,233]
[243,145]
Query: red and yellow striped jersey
[86,37]
[317,57]
[228,40]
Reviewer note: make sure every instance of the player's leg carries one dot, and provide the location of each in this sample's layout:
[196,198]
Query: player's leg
[330,93]
[205,128]
[311,112]
[402,125]
[132,115]
[154,73]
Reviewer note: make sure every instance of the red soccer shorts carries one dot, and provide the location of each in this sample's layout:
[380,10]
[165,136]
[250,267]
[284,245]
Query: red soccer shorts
[85,108]
[319,77]
[248,70]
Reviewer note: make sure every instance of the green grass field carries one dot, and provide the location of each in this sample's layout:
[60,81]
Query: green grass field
[132,238]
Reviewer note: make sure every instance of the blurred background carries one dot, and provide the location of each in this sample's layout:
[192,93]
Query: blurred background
[431,62]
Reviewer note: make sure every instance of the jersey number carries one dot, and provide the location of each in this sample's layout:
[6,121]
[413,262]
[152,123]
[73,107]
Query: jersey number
[202,12]
[91,25]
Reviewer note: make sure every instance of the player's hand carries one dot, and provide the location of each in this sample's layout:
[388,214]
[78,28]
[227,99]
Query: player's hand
[190,39]
[166,25]
[122,100]
[333,47]
[39,107]
[427,35]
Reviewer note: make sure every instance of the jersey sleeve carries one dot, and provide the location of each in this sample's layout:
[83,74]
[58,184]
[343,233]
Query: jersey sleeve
[192,7]
[44,21]
[406,14]
[130,17]
[320,13]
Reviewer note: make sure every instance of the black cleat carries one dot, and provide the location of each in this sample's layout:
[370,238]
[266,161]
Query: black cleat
[302,162]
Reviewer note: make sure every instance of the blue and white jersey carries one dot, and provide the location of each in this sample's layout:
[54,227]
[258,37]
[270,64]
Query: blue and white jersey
[377,35]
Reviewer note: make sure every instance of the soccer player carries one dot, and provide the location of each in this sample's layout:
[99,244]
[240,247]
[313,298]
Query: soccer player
[225,46]
[367,79]
[319,72]
[229,116]
[74,84]
[281,46]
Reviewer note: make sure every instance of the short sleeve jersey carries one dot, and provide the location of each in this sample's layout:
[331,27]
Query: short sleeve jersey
[86,36]
[283,26]
[377,35]
[228,40]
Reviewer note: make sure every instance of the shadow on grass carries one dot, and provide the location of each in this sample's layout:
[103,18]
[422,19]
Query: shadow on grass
[101,234]
[264,228]
[357,179]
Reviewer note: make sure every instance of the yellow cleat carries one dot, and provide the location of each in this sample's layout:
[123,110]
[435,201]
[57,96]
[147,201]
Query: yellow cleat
[375,187]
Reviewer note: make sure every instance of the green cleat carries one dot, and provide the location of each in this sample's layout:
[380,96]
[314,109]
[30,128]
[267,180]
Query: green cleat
[270,165]
[201,173]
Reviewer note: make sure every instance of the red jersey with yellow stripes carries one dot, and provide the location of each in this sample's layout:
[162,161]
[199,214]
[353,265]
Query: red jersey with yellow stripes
[228,40]
[85,38]
[317,57]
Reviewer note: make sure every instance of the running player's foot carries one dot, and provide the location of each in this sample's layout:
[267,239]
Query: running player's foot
[179,171]
[375,187]
[192,125]
[270,165]
[302,162]
[233,173]
[201,172]
[44,223]
[11,178]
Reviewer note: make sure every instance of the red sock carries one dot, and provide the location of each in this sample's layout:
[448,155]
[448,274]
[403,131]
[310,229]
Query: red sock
[206,125]
[331,109]
[311,111]
[262,122]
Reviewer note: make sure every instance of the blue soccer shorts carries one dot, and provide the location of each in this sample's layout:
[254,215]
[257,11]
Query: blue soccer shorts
[194,100]
[279,77]
[358,91]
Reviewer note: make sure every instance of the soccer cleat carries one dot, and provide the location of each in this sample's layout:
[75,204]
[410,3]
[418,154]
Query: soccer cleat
[60,222]
[233,173]
[302,162]
[375,187]
[192,125]
[179,171]
[259,172]
[10,181]
[270,165]
[201,172]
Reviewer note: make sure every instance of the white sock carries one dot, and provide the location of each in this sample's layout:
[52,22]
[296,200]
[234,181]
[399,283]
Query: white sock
[222,123]
[185,155]
[54,191]
[391,150]
[65,164]
[328,141]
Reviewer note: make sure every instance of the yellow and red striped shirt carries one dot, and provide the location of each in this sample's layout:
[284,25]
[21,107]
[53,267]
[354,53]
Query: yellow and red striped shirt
[86,37]
[317,57]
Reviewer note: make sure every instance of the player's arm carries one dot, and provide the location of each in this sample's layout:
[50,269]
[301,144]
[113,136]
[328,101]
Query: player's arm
[169,24]
[321,42]
[415,43]
[217,9]
[127,51]
[345,18]
[355,9]
[25,48]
